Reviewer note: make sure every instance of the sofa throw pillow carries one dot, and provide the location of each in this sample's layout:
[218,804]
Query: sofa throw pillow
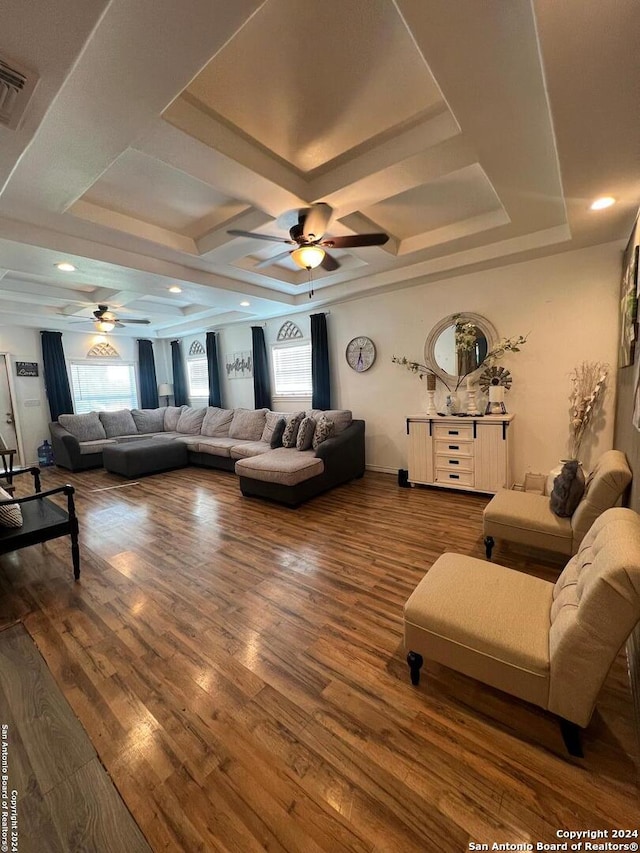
[278,431]
[148,420]
[324,428]
[10,514]
[290,433]
[341,418]
[87,427]
[306,430]
[190,421]
[118,423]
[216,422]
[248,424]
[171,417]
[568,489]
[271,419]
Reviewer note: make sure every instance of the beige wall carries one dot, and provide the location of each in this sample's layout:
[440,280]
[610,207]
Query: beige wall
[567,303]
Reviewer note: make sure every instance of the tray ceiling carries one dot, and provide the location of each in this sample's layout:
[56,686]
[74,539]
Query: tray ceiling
[474,134]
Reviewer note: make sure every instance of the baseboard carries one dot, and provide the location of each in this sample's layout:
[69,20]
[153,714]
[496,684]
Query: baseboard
[382,469]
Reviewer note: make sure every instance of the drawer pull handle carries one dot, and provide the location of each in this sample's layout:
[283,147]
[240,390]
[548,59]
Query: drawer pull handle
[454,476]
[454,432]
[454,447]
[454,462]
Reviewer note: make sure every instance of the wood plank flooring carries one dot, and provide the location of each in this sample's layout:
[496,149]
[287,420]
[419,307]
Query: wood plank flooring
[63,798]
[239,669]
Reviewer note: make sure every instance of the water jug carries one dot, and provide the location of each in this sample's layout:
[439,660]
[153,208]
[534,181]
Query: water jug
[45,454]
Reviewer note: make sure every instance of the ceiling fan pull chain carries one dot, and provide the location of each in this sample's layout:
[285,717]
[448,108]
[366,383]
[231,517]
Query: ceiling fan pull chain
[310,282]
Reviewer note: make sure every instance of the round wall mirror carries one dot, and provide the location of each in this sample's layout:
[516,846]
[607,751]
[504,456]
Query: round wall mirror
[458,344]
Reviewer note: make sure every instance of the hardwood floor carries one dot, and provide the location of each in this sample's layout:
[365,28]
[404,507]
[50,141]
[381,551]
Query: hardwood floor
[239,669]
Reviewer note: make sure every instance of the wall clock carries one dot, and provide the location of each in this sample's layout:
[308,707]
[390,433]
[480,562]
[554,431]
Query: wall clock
[360,354]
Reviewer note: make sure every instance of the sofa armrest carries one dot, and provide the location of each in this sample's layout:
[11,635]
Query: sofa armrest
[66,447]
[344,453]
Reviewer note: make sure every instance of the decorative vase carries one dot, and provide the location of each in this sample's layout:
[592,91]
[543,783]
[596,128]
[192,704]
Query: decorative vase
[496,406]
[431,405]
[553,473]
[453,403]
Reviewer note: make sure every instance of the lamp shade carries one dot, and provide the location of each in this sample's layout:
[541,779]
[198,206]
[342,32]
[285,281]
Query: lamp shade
[308,257]
[165,390]
[105,325]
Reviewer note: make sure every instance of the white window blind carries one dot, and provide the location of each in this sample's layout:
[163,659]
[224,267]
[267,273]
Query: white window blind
[103,387]
[198,377]
[292,369]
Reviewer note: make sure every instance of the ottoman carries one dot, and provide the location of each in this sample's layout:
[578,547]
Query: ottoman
[137,458]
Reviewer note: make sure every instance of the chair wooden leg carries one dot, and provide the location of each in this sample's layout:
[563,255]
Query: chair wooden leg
[75,548]
[571,737]
[415,662]
[489,542]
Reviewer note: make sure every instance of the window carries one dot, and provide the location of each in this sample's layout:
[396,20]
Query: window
[198,377]
[292,369]
[103,386]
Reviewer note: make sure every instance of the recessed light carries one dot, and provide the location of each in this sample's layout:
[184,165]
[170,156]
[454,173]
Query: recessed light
[65,266]
[245,304]
[602,203]
[175,289]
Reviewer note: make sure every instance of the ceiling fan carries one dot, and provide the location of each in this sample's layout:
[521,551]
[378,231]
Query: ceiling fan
[308,235]
[106,321]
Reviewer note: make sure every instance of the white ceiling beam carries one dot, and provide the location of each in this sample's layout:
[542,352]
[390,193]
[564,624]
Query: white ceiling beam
[248,220]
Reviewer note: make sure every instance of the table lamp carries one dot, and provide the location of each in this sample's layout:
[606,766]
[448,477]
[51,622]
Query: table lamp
[165,390]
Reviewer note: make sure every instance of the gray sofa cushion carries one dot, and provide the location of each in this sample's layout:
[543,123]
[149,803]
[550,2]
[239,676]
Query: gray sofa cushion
[118,423]
[10,514]
[244,449]
[148,420]
[324,428]
[248,424]
[304,438]
[278,432]
[341,418]
[190,421]
[271,420]
[171,417]
[216,446]
[216,422]
[96,446]
[290,433]
[87,427]
[286,466]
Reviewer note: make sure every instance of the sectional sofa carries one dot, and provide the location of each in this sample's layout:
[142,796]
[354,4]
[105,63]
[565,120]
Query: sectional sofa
[242,440]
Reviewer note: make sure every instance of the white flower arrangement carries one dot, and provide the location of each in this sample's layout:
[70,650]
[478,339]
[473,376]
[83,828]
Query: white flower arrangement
[587,386]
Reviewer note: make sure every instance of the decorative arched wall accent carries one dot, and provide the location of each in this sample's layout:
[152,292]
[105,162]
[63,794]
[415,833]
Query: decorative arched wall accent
[196,348]
[289,331]
[103,350]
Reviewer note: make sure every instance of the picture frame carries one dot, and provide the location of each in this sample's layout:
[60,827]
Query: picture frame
[629,303]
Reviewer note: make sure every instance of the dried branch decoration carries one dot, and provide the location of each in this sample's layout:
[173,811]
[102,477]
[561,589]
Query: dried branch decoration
[587,386]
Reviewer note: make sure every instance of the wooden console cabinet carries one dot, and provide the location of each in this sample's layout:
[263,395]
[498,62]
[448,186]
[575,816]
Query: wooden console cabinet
[460,453]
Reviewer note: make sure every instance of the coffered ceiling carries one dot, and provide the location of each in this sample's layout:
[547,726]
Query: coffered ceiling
[473,133]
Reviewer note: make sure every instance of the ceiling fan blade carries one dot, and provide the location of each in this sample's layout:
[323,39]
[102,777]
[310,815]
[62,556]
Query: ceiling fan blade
[316,221]
[273,260]
[235,233]
[127,320]
[355,240]
[329,263]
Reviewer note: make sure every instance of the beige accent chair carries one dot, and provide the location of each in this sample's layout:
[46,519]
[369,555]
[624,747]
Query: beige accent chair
[528,520]
[550,644]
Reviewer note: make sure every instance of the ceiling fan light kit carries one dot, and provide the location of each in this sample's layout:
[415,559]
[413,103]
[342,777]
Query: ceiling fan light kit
[105,326]
[308,257]
[308,234]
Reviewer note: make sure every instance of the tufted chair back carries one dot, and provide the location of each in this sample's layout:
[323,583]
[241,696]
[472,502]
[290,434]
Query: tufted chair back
[605,484]
[596,605]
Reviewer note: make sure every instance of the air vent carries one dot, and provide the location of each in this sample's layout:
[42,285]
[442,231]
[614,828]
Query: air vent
[16,87]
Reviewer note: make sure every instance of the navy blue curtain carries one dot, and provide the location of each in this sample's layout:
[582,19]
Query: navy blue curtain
[261,378]
[320,376]
[148,381]
[215,398]
[56,378]
[180,390]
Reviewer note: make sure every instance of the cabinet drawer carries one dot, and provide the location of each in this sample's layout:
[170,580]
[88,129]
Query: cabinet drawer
[454,463]
[453,478]
[454,447]
[453,431]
